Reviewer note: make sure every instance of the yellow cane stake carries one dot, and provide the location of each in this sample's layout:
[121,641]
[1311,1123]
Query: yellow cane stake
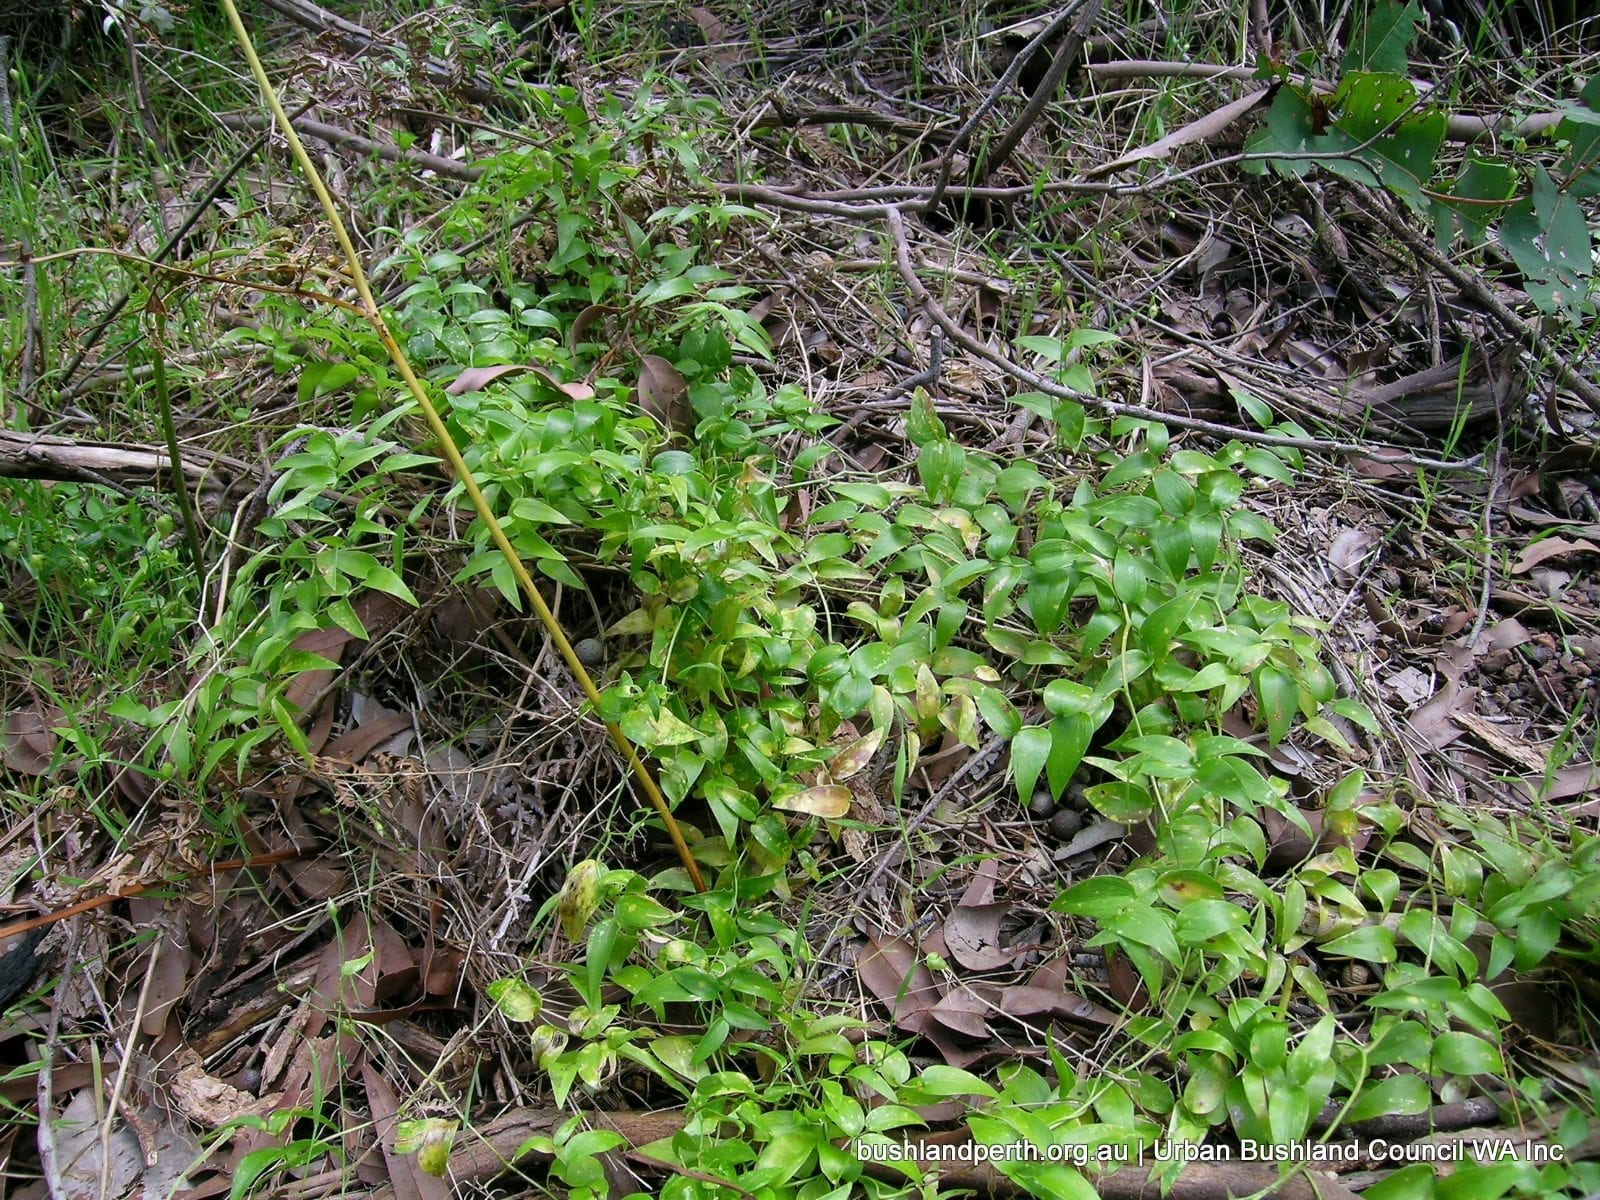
[451,453]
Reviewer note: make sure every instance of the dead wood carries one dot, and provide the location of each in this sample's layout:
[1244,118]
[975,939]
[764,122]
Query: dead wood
[46,456]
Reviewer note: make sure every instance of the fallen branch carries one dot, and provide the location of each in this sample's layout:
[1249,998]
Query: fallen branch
[336,135]
[44,456]
[1459,127]
[1067,54]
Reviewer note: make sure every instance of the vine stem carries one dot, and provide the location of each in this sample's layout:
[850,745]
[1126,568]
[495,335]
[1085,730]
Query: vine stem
[447,445]
[156,310]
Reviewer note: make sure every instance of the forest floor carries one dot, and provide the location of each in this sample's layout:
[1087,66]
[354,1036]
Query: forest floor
[1105,585]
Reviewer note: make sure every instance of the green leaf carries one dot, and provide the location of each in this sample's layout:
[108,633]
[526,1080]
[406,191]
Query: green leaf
[516,1000]
[923,426]
[1279,694]
[1382,41]
[1481,193]
[942,1080]
[1049,1180]
[1125,803]
[785,1155]
[382,579]
[1399,1095]
[998,713]
[1202,920]
[1128,578]
[1029,751]
[1375,126]
[1099,897]
[1069,742]
[1122,671]
[1547,237]
[1147,927]
[1460,1053]
[1580,129]
[1414,1182]
[1370,943]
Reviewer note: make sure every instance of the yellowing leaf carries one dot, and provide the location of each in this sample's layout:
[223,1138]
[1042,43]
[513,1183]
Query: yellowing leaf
[829,801]
[855,756]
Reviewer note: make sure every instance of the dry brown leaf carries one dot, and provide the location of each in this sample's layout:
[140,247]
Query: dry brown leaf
[30,739]
[963,1013]
[475,379]
[717,36]
[894,973]
[354,745]
[586,318]
[406,1176]
[1348,553]
[1031,1000]
[169,978]
[1505,635]
[1431,721]
[933,769]
[1096,835]
[664,394]
[1202,129]
[326,643]
[1287,843]
[1550,547]
[1575,779]
[973,934]
[1124,982]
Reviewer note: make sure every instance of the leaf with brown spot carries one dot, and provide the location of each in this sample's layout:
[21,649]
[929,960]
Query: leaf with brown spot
[855,756]
[664,394]
[829,801]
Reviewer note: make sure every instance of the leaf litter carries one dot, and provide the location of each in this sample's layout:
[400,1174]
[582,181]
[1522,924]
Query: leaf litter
[453,843]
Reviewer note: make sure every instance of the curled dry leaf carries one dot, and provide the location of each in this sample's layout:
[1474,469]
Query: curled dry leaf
[1348,553]
[475,379]
[586,318]
[1550,547]
[664,394]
